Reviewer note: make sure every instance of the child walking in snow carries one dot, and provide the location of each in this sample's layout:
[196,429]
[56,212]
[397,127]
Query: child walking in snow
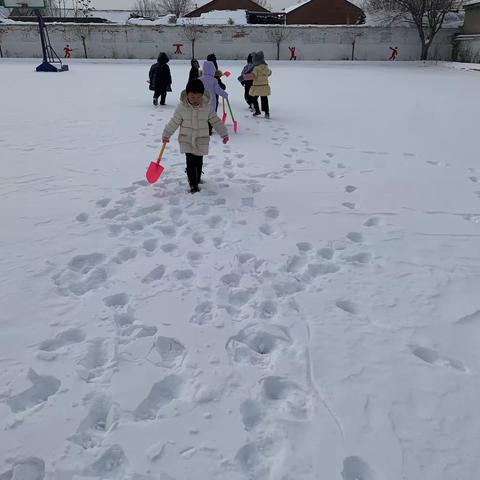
[247,84]
[193,115]
[218,75]
[195,71]
[211,86]
[260,87]
[160,79]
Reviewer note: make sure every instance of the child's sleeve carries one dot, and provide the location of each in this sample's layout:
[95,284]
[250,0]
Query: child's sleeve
[217,124]
[219,90]
[173,124]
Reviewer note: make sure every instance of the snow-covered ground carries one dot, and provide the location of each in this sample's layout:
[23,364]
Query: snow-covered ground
[313,313]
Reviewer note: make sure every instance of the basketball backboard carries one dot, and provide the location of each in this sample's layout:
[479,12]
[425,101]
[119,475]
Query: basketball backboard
[24,3]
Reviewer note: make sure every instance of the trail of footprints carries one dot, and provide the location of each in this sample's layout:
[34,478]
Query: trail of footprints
[251,295]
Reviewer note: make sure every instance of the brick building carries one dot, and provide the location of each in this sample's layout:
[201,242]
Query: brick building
[248,5]
[324,12]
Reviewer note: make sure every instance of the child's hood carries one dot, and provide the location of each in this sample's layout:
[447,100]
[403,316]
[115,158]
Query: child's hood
[205,100]
[259,58]
[262,70]
[209,68]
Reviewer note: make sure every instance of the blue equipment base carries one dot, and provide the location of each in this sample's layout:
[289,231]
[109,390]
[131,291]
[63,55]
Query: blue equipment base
[48,67]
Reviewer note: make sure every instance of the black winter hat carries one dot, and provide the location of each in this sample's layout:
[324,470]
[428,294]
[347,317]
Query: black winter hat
[163,58]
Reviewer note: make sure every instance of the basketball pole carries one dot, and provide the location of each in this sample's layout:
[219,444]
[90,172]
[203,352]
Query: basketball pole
[49,55]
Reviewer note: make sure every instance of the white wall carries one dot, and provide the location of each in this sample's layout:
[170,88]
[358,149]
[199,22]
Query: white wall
[228,42]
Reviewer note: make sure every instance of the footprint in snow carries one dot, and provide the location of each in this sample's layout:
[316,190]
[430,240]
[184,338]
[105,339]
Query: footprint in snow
[347,306]
[372,222]
[326,253]
[150,245]
[117,300]
[434,358]
[256,343]
[172,353]
[85,263]
[161,394]
[101,418]
[156,274]
[100,352]
[63,339]
[266,229]
[111,464]
[304,247]
[355,468]
[349,205]
[127,253]
[30,468]
[350,188]
[363,257]
[355,237]
[43,387]
[272,213]
[103,202]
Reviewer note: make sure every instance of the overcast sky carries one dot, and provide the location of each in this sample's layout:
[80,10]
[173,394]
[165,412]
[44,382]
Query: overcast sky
[126,4]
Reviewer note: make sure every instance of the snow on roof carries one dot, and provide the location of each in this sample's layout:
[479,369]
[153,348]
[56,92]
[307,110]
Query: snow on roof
[357,3]
[294,7]
[472,3]
[114,16]
[166,20]
[219,17]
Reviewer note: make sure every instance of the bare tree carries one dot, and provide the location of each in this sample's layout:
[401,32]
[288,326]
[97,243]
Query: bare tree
[147,8]
[179,8]
[277,35]
[55,8]
[192,32]
[82,32]
[427,15]
[355,37]
[82,8]
[1,35]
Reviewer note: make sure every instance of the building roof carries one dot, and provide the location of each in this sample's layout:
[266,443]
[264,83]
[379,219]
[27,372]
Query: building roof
[355,3]
[472,3]
[227,5]
[294,7]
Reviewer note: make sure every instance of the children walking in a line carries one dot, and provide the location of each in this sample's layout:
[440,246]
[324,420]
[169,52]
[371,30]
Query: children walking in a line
[260,87]
[160,79]
[211,85]
[247,84]
[193,115]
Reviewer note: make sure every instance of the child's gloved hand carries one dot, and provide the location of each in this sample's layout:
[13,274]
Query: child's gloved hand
[165,140]
[226,140]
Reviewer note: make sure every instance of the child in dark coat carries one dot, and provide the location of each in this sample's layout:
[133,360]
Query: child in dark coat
[160,79]
[195,71]
[248,68]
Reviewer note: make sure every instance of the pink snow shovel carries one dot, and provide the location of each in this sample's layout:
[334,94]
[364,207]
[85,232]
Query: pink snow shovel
[155,169]
[224,117]
[235,123]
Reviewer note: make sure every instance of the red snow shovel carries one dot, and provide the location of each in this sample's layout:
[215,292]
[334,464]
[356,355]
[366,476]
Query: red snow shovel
[235,123]
[155,169]
[224,117]
[227,74]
